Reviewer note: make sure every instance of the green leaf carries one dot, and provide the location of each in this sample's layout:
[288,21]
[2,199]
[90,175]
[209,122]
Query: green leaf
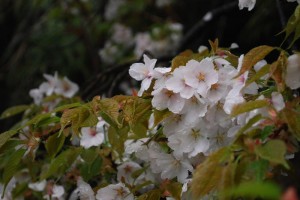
[260,73]
[159,116]
[248,106]
[249,124]
[262,190]
[117,138]
[90,170]
[259,169]
[61,163]
[46,121]
[12,165]
[78,117]
[54,144]
[267,130]
[4,137]
[208,174]
[253,56]
[151,195]
[65,107]
[109,110]
[13,111]
[293,25]
[10,145]
[277,71]
[273,151]
[175,190]
[89,155]
[292,118]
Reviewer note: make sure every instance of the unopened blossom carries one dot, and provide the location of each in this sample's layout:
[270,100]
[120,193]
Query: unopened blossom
[292,78]
[38,186]
[143,72]
[114,192]
[247,4]
[277,101]
[201,75]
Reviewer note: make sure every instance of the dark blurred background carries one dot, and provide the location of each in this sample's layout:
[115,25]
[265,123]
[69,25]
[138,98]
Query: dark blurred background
[44,36]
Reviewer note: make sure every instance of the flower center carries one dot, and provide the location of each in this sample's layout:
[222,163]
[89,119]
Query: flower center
[169,93]
[93,132]
[215,86]
[120,191]
[127,169]
[201,77]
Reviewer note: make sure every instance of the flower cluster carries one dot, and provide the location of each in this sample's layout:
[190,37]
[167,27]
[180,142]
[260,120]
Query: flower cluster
[54,85]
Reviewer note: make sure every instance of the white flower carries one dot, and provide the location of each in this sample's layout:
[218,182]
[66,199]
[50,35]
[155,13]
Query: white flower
[49,87]
[292,78]
[114,192]
[193,141]
[84,190]
[260,64]
[247,4]
[201,75]
[37,96]
[66,88]
[56,191]
[277,101]
[143,72]
[172,167]
[92,136]
[38,186]
[177,83]
[126,170]
[164,98]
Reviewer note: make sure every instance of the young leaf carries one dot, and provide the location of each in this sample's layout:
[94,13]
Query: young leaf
[253,56]
[253,190]
[159,116]
[277,71]
[260,73]
[208,174]
[248,106]
[175,190]
[54,144]
[12,165]
[4,137]
[61,163]
[151,195]
[13,111]
[293,25]
[273,151]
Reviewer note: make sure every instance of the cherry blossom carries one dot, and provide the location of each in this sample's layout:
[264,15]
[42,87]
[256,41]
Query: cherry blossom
[292,78]
[201,75]
[114,192]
